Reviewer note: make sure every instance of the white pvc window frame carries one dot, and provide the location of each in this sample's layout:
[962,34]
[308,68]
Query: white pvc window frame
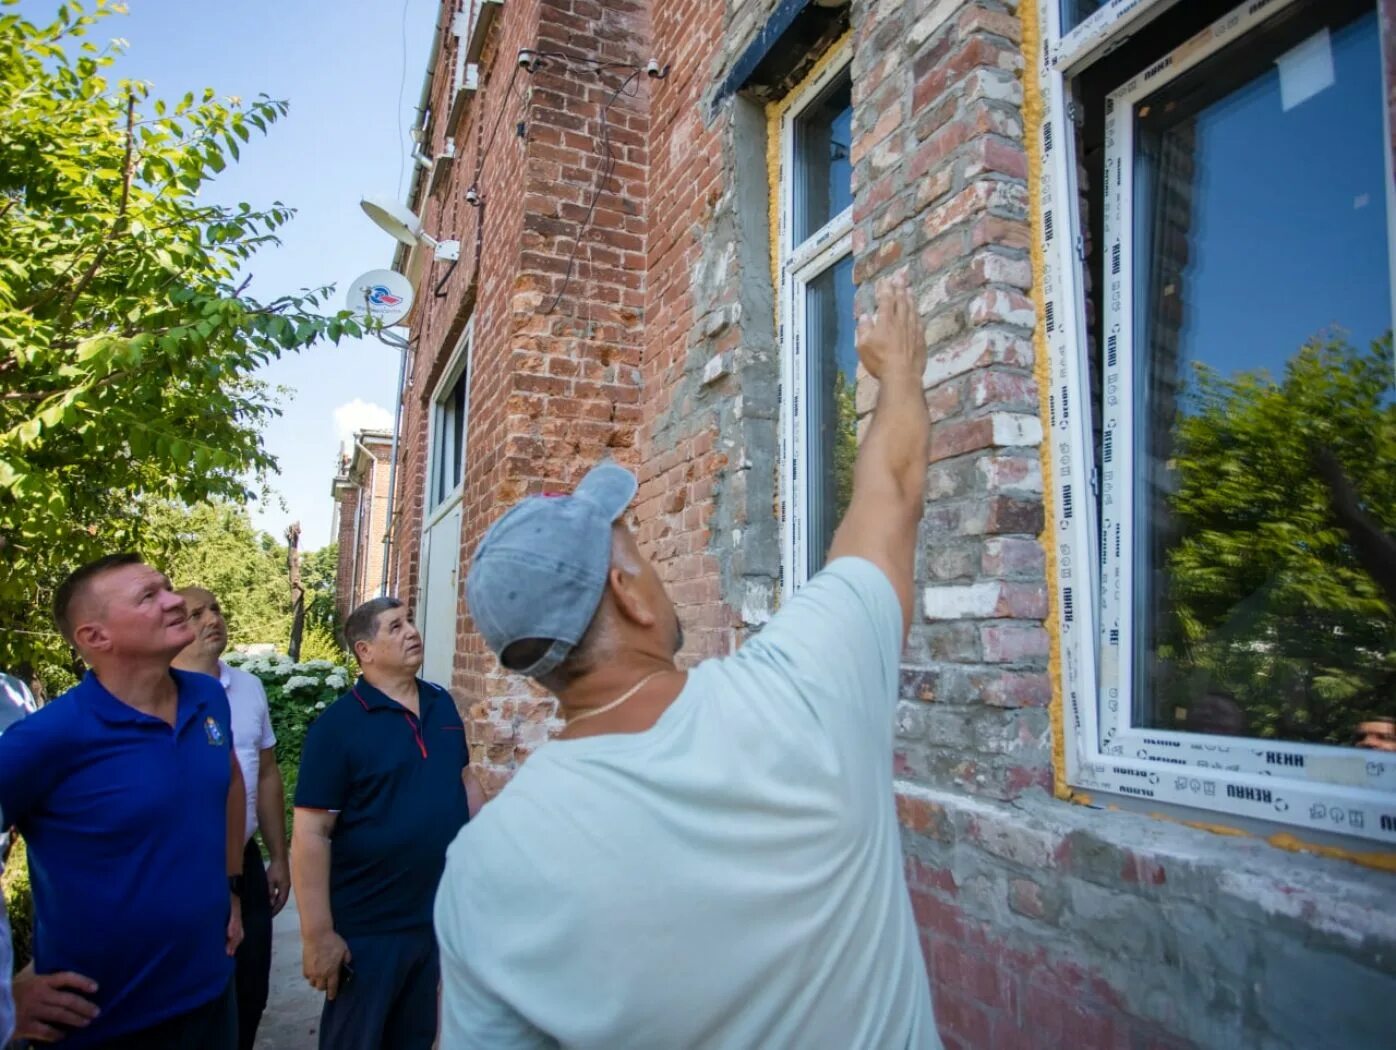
[1321,788]
[457,367]
[800,264]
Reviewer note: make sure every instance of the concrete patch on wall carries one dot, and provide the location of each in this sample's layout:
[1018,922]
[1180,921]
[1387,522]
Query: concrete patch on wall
[1088,927]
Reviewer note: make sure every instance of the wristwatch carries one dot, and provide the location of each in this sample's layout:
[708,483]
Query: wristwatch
[235,885]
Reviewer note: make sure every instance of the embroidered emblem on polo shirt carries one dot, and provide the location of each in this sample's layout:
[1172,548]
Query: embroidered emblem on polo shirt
[214,731]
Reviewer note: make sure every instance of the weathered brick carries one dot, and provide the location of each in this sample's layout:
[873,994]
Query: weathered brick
[1013,643]
[1010,556]
[988,599]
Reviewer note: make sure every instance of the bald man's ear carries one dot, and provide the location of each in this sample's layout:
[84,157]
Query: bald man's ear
[629,597]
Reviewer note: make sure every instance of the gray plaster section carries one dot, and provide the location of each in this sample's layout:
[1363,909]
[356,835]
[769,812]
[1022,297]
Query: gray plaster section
[736,390]
[1216,940]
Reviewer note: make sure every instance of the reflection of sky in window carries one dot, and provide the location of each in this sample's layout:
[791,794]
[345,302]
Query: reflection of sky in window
[1289,226]
[825,175]
[841,171]
[1074,12]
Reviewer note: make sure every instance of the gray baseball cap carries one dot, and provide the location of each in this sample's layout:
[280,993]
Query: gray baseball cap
[540,571]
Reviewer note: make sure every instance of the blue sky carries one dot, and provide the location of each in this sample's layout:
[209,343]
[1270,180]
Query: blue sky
[341,66]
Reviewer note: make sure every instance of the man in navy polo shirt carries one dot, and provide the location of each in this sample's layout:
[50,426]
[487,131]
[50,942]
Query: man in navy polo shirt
[383,789]
[128,796]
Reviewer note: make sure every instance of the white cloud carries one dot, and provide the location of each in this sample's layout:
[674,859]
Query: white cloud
[359,415]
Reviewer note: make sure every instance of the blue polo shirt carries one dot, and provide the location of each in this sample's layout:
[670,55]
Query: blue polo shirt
[395,781]
[125,820]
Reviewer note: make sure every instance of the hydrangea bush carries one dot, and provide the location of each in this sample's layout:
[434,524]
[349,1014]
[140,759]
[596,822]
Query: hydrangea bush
[296,694]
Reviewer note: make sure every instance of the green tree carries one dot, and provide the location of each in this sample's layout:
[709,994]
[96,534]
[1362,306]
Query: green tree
[214,546]
[319,570]
[1268,598]
[128,343]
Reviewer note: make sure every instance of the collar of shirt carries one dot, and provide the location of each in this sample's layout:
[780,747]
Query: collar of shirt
[373,699]
[114,711]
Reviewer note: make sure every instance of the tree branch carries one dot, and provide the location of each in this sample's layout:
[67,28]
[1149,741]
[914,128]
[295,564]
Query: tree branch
[128,171]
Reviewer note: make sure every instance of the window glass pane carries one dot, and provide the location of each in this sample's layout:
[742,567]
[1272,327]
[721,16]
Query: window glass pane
[1265,412]
[448,459]
[833,423]
[823,175]
[458,431]
[1074,12]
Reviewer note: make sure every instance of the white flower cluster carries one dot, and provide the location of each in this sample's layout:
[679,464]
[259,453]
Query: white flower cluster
[273,665]
[311,675]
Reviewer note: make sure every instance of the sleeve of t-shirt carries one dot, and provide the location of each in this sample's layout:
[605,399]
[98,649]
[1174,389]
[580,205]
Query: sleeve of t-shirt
[838,639]
[324,776]
[31,762]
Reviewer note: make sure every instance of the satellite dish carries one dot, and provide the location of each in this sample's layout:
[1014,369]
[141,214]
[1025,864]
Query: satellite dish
[394,219]
[384,296]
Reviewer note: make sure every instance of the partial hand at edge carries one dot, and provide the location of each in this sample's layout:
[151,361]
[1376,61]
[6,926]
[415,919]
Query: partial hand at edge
[279,884]
[43,1003]
[322,957]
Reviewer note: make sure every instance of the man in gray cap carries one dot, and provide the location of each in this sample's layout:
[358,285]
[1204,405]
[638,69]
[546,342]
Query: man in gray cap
[710,858]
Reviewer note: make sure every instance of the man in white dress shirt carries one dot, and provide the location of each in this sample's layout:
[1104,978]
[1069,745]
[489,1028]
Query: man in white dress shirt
[265,889]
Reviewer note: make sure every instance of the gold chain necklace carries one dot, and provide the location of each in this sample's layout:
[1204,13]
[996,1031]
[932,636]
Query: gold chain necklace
[573,720]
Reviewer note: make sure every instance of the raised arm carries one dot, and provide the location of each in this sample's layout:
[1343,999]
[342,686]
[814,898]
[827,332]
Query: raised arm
[889,477]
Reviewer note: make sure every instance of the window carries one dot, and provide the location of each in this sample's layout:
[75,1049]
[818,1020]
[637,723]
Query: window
[448,452]
[1237,650]
[1074,12]
[820,366]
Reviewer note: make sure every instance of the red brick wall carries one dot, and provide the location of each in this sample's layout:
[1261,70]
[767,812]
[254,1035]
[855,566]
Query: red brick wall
[551,389]
[679,438]
[1045,924]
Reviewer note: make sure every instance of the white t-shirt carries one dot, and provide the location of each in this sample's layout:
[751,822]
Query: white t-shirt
[732,877]
[252,731]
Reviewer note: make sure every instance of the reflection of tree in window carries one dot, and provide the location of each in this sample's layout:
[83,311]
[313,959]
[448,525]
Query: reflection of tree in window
[832,417]
[1260,221]
[1275,597]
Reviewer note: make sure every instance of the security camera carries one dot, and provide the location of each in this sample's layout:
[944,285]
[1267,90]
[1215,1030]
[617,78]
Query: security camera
[653,69]
[528,59]
[473,198]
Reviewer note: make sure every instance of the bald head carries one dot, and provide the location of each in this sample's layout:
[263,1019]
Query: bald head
[210,630]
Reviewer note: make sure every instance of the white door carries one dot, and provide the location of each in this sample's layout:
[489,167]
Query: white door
[440,594]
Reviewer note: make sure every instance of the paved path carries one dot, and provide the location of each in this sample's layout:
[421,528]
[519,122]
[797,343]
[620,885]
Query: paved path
[292,1019]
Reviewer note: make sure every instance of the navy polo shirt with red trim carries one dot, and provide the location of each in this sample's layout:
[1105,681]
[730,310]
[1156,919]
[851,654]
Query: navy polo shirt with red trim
[125,818]
[395,781]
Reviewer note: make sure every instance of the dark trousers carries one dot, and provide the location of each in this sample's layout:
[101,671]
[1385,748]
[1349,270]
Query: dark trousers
[390,1001]
[213,1026]
[254,955]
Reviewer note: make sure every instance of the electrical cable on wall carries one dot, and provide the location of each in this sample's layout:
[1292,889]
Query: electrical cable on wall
[608,168]
[531,61]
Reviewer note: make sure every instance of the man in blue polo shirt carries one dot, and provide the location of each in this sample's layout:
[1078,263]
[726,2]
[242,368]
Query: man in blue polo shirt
[130,801]
[383,789]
